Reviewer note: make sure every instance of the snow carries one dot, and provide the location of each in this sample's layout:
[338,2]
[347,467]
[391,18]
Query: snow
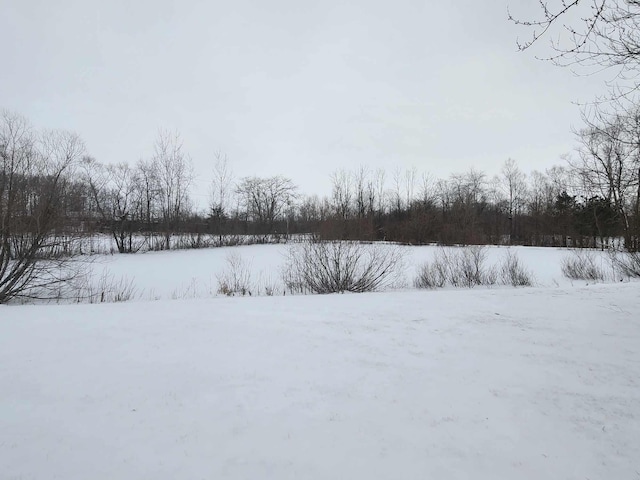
[450,384]
[194,273]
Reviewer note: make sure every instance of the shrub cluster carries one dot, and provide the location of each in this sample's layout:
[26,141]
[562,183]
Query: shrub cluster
[582,265]
[513,273]
[235,279]
[467,268]
[318,266]
[627,264]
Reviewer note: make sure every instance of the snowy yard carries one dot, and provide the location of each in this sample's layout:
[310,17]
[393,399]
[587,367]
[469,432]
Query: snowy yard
[495,383]
[187,274]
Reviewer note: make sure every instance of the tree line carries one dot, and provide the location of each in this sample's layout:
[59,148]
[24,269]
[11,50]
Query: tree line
[51,189]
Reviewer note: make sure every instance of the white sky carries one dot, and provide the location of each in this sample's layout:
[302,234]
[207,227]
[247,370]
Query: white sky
[292,87]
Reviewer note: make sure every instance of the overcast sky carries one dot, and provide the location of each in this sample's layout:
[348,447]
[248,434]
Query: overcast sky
[292,87]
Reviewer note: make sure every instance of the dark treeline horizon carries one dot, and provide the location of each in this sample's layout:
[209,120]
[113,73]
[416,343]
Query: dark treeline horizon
[584,202]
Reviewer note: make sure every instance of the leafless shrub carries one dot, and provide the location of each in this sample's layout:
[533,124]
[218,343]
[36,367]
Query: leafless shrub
[155,243]
[104,289]
[192,241]
[462,268]
[188,291]
[270,287]
[626,264]
[468,268]
[513,273]
[231,241]
[425,277]
[235,279]
[336,266]
[293,281]
[441,267]
[121,290]
[582,265]
[434,274]
[267,285]
[490,276]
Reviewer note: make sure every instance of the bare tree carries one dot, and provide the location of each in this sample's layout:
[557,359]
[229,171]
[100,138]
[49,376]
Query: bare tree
[360,178]
[561,179]
[632,130]
[541,192]
[310,209]
[609,165]
[465,194]
[512,182]
[266,200]
[117,193]
[592,34]
[603,164]
[149,191]
[342,193]
[221,191]
[174,177]
[410,176]
[396,192]
[538,203]
[427,190]
[378,187]
[34,177]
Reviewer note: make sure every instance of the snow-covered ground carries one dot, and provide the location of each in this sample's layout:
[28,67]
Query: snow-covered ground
[194,273]
[450,384]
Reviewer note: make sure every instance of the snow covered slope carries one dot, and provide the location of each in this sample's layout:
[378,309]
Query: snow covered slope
[483,384]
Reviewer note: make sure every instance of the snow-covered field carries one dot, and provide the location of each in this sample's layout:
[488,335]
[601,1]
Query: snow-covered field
[186,274]
[489,383]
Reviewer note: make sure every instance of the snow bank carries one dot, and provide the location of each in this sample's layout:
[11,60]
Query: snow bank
[520,383]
